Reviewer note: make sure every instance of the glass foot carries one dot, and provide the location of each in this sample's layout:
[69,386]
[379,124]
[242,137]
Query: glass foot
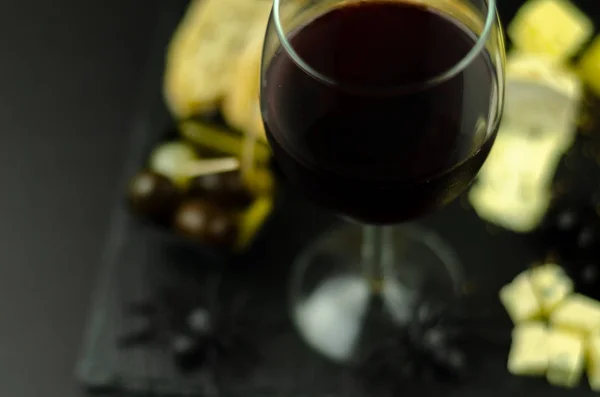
[343,308]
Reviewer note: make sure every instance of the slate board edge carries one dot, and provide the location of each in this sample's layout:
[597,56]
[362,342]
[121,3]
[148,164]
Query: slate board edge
[168,13]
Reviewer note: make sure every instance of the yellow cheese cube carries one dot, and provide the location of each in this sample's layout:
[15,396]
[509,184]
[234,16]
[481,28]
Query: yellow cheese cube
[565,358]
[551,286]
[552,27]
[578,314]
[529,350]
[589,66]
[519,300]
[593,361]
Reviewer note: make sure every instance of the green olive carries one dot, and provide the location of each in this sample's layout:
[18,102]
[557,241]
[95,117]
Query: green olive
[152,195]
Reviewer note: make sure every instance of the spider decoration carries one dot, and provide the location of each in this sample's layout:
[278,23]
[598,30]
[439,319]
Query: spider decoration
[200,332]
[437,346]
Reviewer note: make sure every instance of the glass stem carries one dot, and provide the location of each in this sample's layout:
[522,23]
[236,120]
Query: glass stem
[377,249]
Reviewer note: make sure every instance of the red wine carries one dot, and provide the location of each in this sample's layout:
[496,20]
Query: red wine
[375,141]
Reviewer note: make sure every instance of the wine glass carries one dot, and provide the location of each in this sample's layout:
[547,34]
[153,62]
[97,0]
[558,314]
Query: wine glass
[382,111]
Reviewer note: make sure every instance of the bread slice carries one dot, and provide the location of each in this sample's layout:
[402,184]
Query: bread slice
[204,52]
[241,107]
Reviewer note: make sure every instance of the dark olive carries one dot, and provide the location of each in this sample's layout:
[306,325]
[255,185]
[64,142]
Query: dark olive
[222,228]
[153,195]
[191,218]
[206,222]
[226,189]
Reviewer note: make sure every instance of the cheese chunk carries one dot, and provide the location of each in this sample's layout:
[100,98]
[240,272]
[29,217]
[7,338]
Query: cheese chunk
[565,358]
[519,164]
[519,300]
[529,350]
[552,27]
[593,361]
[542,69]
[513,187]
[578,314]
[589,66]
[511,212]
[542,98]
[551,286]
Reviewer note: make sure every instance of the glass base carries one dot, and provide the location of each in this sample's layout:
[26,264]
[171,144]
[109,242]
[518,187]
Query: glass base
[343,309]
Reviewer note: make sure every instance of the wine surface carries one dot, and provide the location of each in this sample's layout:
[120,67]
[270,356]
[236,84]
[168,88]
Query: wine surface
[376,143]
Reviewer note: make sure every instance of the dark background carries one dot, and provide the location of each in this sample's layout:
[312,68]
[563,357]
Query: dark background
[70,77]
[70,74]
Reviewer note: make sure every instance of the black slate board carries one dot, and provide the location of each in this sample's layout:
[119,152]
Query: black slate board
[137,261]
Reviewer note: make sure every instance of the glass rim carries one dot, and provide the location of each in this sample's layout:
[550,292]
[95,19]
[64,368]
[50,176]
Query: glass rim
[449,73]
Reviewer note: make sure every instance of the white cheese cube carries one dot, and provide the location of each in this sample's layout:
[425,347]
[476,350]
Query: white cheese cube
[529,350]
[577,313]
[551,286]
[519,300]
[593,361]
[565,358]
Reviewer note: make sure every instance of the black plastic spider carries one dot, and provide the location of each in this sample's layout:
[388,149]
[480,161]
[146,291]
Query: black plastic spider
[436,346]
[200,331]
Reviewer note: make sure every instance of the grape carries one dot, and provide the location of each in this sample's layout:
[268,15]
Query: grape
[153,195]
